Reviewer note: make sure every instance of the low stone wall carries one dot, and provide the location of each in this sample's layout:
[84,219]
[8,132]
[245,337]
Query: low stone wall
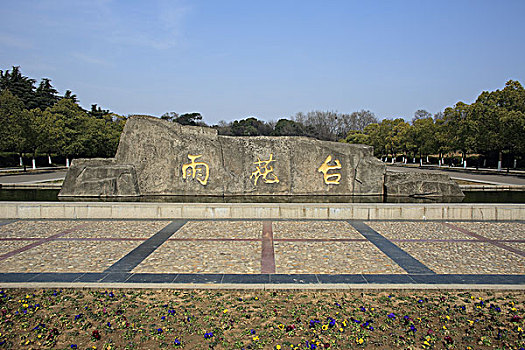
[156,158]
[376,211]
[492,188]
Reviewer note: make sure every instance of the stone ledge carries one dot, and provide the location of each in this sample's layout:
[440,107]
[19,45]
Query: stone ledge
[274,211]
[271,287]
[491,188]
[36,186]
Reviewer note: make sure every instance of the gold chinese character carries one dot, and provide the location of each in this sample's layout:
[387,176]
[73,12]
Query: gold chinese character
[264,169]
[324,168]
[199,170]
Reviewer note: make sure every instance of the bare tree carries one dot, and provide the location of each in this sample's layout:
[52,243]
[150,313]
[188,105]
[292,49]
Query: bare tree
[332,126]
[363,119]
[421,114]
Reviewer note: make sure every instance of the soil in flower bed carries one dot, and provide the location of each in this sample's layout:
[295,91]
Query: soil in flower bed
[155,319]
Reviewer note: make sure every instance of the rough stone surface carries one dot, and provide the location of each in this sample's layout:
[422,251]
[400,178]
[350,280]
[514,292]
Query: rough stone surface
[157,157]
[421,184]
[159,149]
[100,178]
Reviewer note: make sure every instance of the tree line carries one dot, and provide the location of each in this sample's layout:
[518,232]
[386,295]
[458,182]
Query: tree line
[491,127]
[323,125]
[36,119]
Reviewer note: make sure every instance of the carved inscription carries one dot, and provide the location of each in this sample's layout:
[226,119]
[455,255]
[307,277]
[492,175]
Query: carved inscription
[332,178]
[196,170]
[265,170]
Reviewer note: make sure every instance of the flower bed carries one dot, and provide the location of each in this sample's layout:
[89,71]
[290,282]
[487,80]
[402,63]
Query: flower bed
[152,319]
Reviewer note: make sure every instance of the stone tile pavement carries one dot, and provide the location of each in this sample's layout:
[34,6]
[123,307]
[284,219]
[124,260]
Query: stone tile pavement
[257,251]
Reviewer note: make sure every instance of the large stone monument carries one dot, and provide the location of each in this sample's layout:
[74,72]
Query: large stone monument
[157,157]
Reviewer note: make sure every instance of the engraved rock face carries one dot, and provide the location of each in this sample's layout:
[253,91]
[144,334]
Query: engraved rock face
[100,178]
[157,157]
[171,159]
[421,184]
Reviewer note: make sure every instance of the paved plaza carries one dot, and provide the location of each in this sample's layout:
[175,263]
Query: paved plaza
[262,251]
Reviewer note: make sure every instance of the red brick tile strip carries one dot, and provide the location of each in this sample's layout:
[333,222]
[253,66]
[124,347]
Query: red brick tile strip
[485,239]
[459,240]
[320,240]
[267,252]
[19,239]
[40,242]
[102,239]
[215,239]
[464,240]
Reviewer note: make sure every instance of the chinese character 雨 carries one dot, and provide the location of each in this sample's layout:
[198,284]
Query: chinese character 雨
[324,168]
[265,170]
[197,170]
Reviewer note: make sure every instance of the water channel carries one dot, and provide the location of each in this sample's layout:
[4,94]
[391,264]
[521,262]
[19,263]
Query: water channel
[45,195]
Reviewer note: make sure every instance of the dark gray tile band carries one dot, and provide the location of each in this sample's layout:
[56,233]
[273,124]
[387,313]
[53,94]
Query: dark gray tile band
[199,278]
[91,277]
[152,278]
[56,277]
[338,279]
[17,277]
[299,278]
[262,278]
[398,255]
[137,255]
[469,279]
[210,278]
[116,277]
[6,222]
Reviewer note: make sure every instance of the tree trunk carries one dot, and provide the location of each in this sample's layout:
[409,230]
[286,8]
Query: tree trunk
[33,160]
[508,164]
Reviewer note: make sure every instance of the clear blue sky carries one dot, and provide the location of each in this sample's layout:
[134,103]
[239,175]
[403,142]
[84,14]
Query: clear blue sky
[270,59]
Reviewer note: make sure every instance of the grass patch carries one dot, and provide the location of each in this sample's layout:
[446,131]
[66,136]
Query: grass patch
[155,319]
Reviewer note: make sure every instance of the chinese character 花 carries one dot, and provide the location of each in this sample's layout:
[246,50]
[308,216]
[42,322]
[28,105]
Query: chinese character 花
[265,170]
